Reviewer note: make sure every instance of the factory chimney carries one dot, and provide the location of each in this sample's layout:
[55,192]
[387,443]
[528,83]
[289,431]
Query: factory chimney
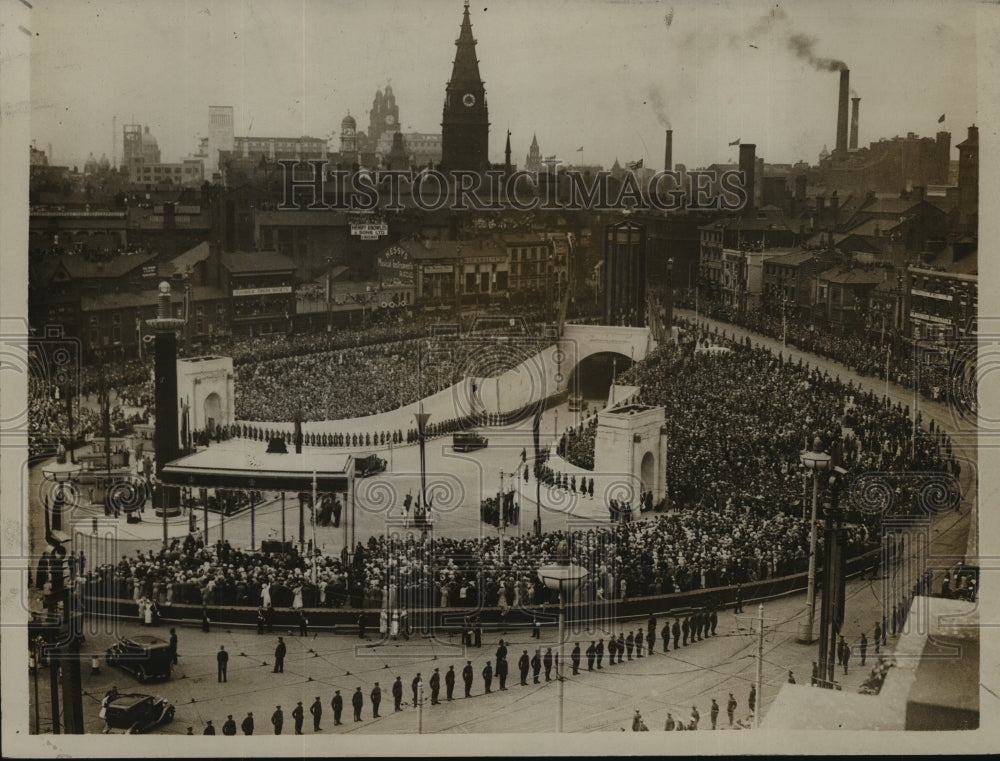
[668,154]
[748,166]
[845,94]
[855,106]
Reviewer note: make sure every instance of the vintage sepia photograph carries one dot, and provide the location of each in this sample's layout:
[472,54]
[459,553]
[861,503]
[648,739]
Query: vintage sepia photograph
[379,374]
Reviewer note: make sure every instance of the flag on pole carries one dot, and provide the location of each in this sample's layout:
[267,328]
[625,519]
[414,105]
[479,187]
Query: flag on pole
[579,149]
[735,142]
[635,164]
[941,118]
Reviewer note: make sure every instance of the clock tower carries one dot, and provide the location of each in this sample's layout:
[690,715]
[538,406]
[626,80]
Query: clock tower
[465,125]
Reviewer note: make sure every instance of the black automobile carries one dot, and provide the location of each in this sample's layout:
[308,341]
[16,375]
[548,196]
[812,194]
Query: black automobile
[468,442]
[368,465]
[143,656]
[136,713]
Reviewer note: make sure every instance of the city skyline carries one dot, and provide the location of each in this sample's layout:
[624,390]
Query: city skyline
[733,71]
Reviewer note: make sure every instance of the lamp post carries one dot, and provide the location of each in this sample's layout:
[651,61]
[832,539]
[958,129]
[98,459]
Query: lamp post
[61,474]
[561,577]
[817,462]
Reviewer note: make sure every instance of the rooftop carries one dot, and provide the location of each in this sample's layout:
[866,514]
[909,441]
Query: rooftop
[256,261]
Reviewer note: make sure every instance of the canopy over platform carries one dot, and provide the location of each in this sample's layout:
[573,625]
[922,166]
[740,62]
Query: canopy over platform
[224,468]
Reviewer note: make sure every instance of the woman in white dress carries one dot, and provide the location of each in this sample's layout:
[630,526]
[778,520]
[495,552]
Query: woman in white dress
[395,624]
[265,594]
[383,622]
[297,599]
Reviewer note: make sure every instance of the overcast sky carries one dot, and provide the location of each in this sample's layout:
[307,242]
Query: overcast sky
[604,75]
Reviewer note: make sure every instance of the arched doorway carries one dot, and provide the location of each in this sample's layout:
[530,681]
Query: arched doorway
[213,411]
[647,471]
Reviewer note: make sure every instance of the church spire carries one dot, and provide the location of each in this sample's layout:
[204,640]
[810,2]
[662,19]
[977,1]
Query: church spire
[465,71]
[465,121]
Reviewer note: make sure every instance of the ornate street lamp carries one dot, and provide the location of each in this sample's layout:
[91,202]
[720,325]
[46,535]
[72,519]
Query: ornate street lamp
[817,462]
[562,577]
[61,474]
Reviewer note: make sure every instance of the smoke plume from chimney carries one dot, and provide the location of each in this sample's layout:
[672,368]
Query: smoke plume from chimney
[655,99]
[802,45]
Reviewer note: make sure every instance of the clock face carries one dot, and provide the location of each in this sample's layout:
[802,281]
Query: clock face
[469,100]
[390,119]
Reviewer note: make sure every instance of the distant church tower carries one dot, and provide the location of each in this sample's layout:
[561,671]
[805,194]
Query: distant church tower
[465,125]
[349,139]
[383,116]
[534,160]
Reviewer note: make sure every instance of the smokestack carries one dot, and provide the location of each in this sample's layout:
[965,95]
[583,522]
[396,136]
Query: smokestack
[845,94]
[748,166]
[853,145]
[668,154]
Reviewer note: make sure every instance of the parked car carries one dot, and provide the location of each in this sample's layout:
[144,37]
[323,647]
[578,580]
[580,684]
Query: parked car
[468,442]
[143,656]
[368,465]
[136,713]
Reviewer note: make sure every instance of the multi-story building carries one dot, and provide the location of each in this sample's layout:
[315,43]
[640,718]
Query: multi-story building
[941,305]
[261,289]
[788,279]
[844,295]
[189,172]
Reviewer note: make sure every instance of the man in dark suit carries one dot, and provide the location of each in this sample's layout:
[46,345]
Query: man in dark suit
[488,676]
[599,652]
[501,654]
[547,662]
[229,728]
[676,631]
[316,709]
[620,646]
[337,704]
[686,629]
[651,634]
[247,725]
[222,657]
[575,659]
[630,644]
[523,664]
[449,683]
[713,620]
[536,665]
[612,650]
[665,636]
[397,693]
[173,645]
[279,656]
[298,714]
[501,674]
[376,698]
[278,720]
[591,656]
[357,701]
[467,676]
[435,687]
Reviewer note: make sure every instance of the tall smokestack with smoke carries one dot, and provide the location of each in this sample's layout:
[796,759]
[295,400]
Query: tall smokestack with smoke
[845,94]
[748,166]
[855,105]
[668,154]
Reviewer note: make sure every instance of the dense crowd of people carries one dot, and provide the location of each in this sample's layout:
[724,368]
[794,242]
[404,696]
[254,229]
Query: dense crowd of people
[865,353]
